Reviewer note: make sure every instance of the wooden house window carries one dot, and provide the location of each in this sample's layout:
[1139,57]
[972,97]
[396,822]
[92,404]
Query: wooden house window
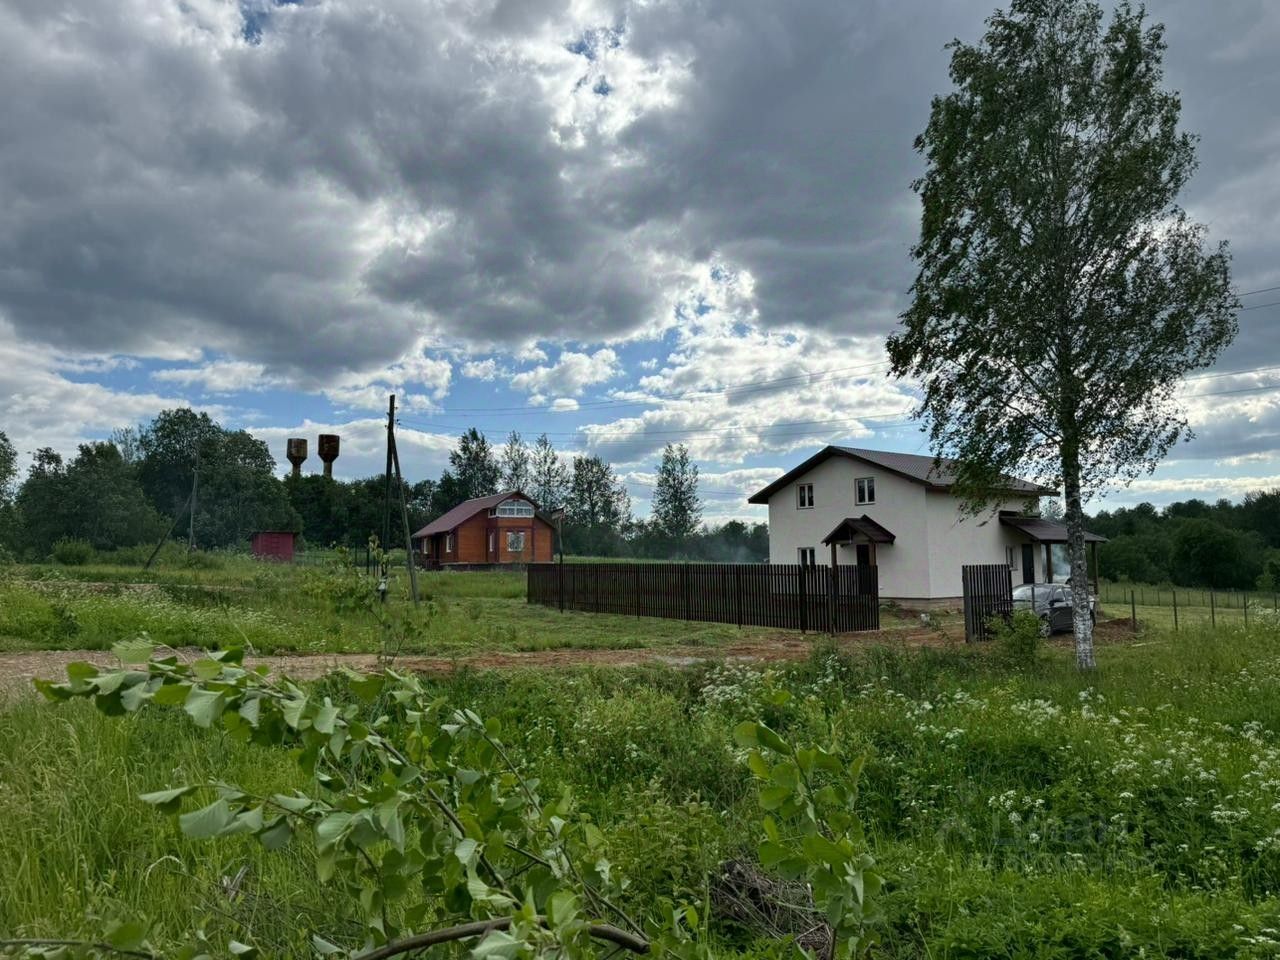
[865,490]
[448,543]
[808,556]
[515,541]
[514,508]
[804,496]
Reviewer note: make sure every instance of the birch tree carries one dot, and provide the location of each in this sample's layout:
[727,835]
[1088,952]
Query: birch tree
[1062,293]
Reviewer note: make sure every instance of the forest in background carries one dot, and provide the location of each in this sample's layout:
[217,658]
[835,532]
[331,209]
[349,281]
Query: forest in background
[128,490]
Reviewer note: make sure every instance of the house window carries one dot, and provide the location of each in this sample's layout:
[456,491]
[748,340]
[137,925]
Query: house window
[804,496]
[448,543]
[865,490]
[807,556]
[1011,557]
[514,508]
[515,541]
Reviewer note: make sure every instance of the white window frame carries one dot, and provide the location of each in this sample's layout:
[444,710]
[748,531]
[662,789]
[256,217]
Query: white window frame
[1013,556]
[519,537]
[513,508]
[448,543]
[858,491]
[804,492]
[808,556]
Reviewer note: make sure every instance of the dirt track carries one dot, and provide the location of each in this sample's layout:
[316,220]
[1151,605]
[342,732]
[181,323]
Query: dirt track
[17,670]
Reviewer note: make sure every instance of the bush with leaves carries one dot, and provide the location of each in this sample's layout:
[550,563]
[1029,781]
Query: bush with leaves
[423,821]
[1018,639]
[71,552]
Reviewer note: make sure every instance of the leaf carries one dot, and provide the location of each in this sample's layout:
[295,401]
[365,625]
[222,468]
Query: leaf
[79,673]
[204,706]
[206,670]
[771,798]
[251,709]
[242,950]
[744,734]
[171,694]
[367,688]
[324,719]
[276,834]
[208,821]
[498,944]
[332,828]
[465,849]
[293,710]
[137,650]
[323,947]
[166,801]
[125,935]
[292,804]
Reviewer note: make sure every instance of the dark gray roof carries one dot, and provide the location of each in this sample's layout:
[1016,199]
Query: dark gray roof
[913,466]
[1046,531]
[864,525]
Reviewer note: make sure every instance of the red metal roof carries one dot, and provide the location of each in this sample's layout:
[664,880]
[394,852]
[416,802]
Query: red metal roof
[469,508]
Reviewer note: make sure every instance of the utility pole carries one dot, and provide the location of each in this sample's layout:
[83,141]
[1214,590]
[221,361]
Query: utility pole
[191,521]
[404,518]
[386,505]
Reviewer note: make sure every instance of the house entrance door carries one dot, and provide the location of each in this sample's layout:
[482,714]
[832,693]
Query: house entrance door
[863,551]
[1028,563]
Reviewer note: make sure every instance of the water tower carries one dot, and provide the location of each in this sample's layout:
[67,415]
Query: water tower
[297,454]
[328,451]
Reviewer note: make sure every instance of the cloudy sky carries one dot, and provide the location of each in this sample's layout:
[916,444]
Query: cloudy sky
[621,223]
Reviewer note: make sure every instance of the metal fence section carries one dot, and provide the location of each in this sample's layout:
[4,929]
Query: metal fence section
[789,596]
[988,593]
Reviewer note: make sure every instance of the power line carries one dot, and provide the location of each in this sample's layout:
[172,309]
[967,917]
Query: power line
[1259,306]
[1250,293]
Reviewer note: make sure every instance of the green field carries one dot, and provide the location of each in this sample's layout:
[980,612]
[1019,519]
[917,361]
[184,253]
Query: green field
[1015,809]
[236,601]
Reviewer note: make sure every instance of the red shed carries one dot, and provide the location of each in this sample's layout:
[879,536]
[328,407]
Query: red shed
[274,545]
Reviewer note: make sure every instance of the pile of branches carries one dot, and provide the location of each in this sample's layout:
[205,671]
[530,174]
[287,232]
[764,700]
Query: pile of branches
[764,906]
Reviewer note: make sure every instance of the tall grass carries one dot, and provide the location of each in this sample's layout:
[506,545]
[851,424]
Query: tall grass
[1029,812]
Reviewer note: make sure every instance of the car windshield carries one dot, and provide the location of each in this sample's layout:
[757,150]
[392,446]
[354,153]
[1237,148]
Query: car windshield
[1024,591]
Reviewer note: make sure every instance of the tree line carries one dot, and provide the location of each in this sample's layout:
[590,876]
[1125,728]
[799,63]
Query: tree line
[131,489]
[1194,543]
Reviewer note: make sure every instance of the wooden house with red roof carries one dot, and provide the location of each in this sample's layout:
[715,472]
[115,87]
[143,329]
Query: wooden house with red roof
[504,528]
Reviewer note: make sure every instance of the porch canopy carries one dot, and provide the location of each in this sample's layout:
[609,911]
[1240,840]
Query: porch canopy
[1045,531]
[852,527]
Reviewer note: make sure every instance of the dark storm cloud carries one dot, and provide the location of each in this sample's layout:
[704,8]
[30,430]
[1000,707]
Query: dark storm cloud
[365,174]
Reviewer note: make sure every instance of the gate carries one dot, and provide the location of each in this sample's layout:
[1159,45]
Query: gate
[988,593]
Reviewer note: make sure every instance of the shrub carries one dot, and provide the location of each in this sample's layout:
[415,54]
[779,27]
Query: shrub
[71,552]
[1017,642]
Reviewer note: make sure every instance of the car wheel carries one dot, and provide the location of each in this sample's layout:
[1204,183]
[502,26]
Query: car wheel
[1045,627]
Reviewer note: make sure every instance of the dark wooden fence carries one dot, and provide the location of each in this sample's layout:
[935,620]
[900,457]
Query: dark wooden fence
[988,592]
[790,596]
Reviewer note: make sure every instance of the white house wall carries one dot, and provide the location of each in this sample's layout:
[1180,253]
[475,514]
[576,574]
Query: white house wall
[900,508]
[955,540]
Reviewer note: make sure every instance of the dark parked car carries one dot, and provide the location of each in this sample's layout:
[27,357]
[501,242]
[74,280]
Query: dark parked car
[1051,602]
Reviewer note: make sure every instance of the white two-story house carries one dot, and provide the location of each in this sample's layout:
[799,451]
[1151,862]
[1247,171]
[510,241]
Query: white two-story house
[896,510]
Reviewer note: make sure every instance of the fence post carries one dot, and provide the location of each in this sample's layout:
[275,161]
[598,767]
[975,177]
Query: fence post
[637,589]
[1213,614]
[1133,612]
[560,579]
[831,599]
[737,589]
[684,585]
[804,600]
[1175,611]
